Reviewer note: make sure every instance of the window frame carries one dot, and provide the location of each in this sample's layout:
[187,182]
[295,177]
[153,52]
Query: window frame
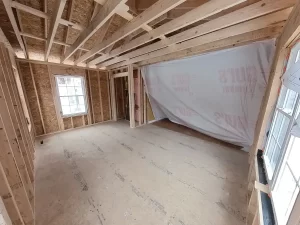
[279,168]
[84,91]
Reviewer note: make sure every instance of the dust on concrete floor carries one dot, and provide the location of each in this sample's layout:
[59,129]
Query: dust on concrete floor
[110,174]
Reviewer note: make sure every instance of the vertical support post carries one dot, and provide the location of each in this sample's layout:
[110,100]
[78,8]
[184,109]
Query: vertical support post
[100,96]
[131,96]
[113,97]
[90,87]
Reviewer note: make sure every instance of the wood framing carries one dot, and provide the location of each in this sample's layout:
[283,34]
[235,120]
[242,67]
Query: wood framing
[152,13]
[131,96]
[105,13]
[113,98]
[252,25]
[242,15]
[208,9]
[58,10]
[7,5]
[290,30]
[242,39]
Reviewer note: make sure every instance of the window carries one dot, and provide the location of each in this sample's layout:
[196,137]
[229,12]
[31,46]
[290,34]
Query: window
[282,153]
[72,95]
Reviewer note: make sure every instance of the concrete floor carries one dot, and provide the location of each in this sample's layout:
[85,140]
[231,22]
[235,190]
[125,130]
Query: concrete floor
[110,174]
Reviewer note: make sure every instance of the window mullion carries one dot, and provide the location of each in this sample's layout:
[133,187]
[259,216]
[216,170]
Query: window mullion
[283,157]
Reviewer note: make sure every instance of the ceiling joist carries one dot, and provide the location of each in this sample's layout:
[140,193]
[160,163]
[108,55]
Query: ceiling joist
[58,10]
[105,13]
[248,26]
[144,18]
[247,13]
[235,41]
[208,9]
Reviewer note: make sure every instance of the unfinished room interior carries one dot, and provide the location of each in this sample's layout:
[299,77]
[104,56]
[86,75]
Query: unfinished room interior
[150,112]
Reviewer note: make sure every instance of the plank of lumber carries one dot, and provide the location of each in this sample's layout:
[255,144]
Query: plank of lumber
[14,24]
[290,30]
[266,33]
[247,13]
[150,14]
[105,13]
[208,9]
[58,10]
[44,15]
[131,96]
[248,26]
[44,39]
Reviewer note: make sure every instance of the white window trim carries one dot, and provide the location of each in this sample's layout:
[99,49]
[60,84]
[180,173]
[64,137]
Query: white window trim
[84,93]
[295,54]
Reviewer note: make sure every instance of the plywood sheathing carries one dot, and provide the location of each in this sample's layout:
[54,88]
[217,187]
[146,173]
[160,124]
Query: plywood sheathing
[77,121]
[67,123]
[8,29]
[104,82]
[31,96]
[96,101]
[44,91]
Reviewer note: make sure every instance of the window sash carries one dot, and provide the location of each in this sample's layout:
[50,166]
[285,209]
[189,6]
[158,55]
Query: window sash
[83,94]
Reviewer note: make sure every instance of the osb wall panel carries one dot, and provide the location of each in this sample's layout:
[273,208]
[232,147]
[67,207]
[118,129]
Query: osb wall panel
[78,121]
[31,96]
[44,91]
[105,95]
[96,86]
[67,123]
[95,96]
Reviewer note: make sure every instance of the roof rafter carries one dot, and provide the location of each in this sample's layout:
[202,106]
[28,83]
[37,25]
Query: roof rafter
[8,8]
[241,15]
[248,26]
[238,40]
[208,9]
[42,14]
[105,13]
[144,18]
[58,10]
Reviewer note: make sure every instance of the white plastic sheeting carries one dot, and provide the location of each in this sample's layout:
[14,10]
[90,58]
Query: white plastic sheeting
[218,94]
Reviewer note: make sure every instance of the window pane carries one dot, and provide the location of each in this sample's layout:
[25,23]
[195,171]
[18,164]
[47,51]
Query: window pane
[78,90]
[70,81]
[277,125]
[294,157]
[71,91]
[66,110]
[81,100]
[283,130]
[81,108]
[284,195]
[77,81]
[62,91]
[64,100]
[287,100]
[61,81]
[72,100]
[77,109]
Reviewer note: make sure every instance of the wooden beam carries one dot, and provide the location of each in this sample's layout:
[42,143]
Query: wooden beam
[14,24]
[247,13]
[57,12]
[251,25]
[144,18]
[266,33]
[44,39]
[105,13]
[42,14]
[131,96]
[292,28]
[123,74]
[204,11]
[113,98]
[100,96]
